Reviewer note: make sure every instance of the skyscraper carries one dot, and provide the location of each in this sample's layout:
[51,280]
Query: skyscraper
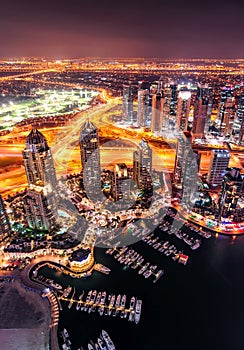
[120,182]
[218,164]
[226,112]
[40,201]
[143,112]
[202,111]
[238,136]
[38,161]
[90,160]
[5,228]
[167,123]
[183,109]
[186,169]
[157,112]
[142,166]
[231,192]
[40,210]
[127,104]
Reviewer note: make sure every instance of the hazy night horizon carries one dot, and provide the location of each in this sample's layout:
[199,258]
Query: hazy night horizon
[213,29]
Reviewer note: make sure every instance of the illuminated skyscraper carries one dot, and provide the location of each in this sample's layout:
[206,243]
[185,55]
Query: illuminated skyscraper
[202,111]
[120,182]
[38,161]
[143,113]
[157,112]
[226,112]
[218,164]
[167,123]
[127,104]
[231,193]
[186,169]
[5,228]
[183,109]
[142,166]
[40,200]
[90,160]
[40,209]
[238,136]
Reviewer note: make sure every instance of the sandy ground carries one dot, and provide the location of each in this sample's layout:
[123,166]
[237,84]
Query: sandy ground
[24,319]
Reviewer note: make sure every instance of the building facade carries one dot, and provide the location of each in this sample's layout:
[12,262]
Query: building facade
[219,162]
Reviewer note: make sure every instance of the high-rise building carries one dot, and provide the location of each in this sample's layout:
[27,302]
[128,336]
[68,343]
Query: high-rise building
[39,210]
[226,111]
[5,228]
[120,182]
[167,123]
[40,202]
[142,166]
[183,109]
[231,192]
[190,179]
[157,112]
[202,111]
[127,104]
[90,160]
[38,161]
[143,112]
[218,164]
[174,99]
[238,134]
[186,169]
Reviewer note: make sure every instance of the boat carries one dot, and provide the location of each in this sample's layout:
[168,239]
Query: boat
[132,311]
[196,244]
[117,304]
[122,305]
[138,311]
[108,341]
[65,333]
[101,344]
[158,275]
[98,298]
[87,300]
[78,305]
[111,304]
[90,347]
[71,300]
[102,268]
[67,292]
[92,301]
[103,298]
[143,268]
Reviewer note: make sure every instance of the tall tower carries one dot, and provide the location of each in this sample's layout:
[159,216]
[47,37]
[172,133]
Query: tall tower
[183,146]
[143,112]
[38,161]
[142,166]
[167,124]
[40,199]
[183,109]
[157,112]
[218,164]
[121,182]
[202,111]
[186,169]
[5,227]
[231,192]
[226,111]
[127,104]
[90,160]
[239,122]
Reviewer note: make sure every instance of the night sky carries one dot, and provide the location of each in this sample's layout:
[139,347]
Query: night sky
[125,28]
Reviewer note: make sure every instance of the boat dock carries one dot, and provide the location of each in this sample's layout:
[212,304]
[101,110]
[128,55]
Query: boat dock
[111,308]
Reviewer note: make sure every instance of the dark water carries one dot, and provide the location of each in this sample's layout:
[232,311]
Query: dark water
[199,306]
